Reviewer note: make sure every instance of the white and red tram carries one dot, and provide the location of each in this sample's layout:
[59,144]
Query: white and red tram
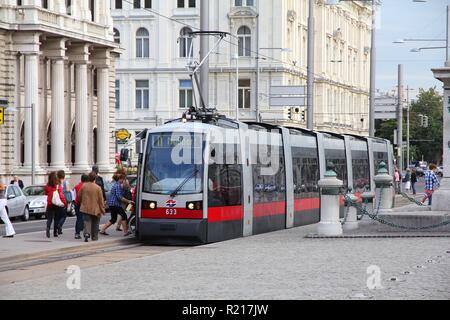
[207,181]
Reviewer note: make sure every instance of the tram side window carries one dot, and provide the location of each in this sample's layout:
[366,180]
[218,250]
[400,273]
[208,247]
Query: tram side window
[306,172]
[269,187]
[225,181]
[379,157]
[337,157]
[361,175]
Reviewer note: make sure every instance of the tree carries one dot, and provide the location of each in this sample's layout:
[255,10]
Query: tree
[424,142]
[428,141]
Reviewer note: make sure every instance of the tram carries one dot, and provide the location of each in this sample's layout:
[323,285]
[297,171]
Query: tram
[206,178]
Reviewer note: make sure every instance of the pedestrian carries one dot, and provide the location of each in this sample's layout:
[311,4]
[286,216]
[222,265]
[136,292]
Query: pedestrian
[79,225]
[407,180]
[4,215]
[67,195]
[115,205]
[413,180]
[121,171]
[92,206]
[397,180]
[55,204]
[431,183]
[99,180]
[17,182]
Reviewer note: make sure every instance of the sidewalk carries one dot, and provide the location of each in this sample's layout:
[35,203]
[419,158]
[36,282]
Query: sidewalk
[35,245]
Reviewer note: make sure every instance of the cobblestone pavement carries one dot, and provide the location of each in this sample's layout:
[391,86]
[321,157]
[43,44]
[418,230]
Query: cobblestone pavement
[278,265]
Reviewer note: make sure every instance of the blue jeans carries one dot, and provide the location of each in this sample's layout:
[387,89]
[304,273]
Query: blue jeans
[413,187]
[79,225]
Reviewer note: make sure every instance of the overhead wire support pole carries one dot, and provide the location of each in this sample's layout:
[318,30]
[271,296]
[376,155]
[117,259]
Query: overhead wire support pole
[372,73]
[310,71]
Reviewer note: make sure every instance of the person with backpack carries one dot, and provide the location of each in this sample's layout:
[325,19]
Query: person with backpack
[407,180]
[79,225]
[56,202]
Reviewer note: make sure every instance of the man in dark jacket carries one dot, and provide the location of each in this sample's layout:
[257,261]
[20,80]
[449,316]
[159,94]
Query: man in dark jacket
[99,181]
[16,181]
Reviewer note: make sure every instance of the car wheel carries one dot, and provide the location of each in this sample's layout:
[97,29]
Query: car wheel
[26,214]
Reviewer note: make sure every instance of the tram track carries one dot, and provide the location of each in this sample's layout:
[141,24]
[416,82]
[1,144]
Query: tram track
[45,265]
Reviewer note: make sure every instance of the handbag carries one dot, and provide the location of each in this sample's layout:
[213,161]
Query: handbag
[56,201]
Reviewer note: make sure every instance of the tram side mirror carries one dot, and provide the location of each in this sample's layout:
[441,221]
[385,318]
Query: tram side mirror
[124,154]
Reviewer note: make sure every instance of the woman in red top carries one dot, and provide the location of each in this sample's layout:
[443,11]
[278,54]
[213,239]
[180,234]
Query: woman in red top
[53,212]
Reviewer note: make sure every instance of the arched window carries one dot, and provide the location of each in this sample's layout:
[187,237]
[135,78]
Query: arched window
[116,36]
[245,41]
[185,43]
[142,43]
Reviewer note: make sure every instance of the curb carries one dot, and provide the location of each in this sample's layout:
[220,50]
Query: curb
[67,250]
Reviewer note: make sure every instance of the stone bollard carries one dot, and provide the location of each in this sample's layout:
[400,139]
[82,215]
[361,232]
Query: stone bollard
[383,183]
[329,224]
[352,220]
[367,200]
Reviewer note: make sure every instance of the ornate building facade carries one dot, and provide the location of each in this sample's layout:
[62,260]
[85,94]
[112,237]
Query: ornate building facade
[57,57]
[270,35]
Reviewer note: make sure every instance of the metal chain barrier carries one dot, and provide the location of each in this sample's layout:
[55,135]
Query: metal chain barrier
[411,199]
[375,217]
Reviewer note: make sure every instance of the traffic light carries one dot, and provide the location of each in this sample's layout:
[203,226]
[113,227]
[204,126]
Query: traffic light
[425,121]
[303,115]
[1,115]
[421,118]
[290,113]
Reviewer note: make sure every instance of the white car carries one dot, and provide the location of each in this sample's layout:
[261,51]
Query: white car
[16,203]
[37,200]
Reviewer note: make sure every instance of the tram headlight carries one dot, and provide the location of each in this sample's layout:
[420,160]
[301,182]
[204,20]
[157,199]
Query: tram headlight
[149,205]
[194,205]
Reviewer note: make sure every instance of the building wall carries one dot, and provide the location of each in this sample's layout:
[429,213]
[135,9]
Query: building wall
[342,57]
[51,34]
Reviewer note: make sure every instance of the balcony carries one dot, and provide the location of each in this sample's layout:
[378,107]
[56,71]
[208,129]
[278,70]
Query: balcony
[38,19]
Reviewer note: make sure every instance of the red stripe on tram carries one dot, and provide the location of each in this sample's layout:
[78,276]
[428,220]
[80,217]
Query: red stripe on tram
[172,213]
[217,214]
[306,204]
[269,209]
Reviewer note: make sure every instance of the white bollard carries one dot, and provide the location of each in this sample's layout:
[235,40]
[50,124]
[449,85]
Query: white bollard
[329,224]
[352,220]
[367,201]
[383,182]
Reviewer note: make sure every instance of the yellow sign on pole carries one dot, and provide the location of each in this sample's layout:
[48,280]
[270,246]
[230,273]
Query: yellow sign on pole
[2,112]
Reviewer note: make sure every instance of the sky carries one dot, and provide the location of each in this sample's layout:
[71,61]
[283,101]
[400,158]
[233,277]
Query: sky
[405,19]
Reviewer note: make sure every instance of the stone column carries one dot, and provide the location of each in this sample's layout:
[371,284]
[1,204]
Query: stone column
[31,98]
[81,118]
[57,115]
[441,197]
[103,119]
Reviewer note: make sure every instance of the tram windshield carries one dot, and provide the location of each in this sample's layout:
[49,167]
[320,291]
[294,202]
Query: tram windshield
[174,163]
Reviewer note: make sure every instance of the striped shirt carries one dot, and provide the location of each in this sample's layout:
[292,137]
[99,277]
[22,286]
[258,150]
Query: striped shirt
[116,195]
[431,181]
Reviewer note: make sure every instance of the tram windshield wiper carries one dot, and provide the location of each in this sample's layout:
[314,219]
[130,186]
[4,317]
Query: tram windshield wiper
[181,185]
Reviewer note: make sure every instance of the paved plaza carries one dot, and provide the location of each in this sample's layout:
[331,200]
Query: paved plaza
[278,265]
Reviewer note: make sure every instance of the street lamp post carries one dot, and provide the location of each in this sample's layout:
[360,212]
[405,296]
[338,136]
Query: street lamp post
[33,160]
[310,69]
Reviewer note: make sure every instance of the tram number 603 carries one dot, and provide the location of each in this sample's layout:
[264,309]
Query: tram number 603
[171,212]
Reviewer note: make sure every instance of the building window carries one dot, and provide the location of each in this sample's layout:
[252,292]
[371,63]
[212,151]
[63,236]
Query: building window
[186,4]
[148,4]
[117,94]
[245,41]
[44,4]
[137,4]
[118,4]
[69,7]
[142,43]
[19,2]
[142,94]
[116,36]
[185,43]
[92,8]
[244,3]
[95,82]
[186,94]
[244,94]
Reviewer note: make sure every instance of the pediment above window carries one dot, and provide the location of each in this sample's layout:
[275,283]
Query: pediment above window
[242,12]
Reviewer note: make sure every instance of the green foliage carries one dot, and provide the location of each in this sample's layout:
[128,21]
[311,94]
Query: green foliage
[429,103]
